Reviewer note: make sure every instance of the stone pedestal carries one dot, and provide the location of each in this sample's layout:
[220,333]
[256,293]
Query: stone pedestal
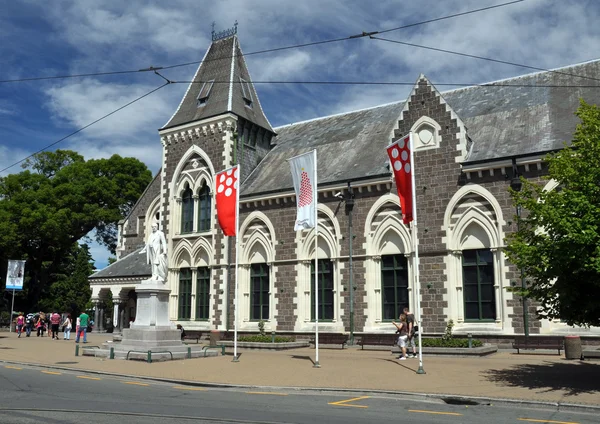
[151,331]
[152,308]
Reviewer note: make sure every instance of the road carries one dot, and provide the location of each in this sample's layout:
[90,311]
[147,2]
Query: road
[31,395]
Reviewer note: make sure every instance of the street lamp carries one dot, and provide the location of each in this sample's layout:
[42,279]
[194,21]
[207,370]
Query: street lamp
[348,200]
[516,184]
[349,207]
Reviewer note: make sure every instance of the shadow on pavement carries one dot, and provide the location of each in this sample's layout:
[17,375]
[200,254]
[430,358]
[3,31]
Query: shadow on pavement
[306,358]
[572,377]
[397,362]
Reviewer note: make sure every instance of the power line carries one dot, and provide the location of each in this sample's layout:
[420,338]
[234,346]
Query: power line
[452,84]
[87,126]
[483,58]
[363,34]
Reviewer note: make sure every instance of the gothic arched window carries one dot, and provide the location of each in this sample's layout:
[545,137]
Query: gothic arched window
[187,210]
[204,204]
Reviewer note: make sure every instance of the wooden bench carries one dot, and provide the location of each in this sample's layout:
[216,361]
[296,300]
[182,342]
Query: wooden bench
[539,342]
[378,340]
[332,339]
[193,335]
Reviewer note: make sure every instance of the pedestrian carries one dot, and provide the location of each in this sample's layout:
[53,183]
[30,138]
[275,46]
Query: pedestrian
[29,324]
[84,320]
[78,322]
[20,323]
[55,324]
[412,331]
[183,334]
[403,335]
[40,324]
[67,325]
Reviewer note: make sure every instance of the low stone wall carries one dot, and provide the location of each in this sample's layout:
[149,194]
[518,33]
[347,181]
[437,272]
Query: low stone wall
[267,346]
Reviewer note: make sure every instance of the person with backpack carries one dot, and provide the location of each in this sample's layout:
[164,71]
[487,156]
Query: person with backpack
[412,331]
[28,324]
[403,335]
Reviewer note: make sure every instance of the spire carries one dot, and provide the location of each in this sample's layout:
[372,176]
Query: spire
[221,84]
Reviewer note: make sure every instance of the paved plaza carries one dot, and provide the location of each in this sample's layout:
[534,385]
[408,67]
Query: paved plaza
[505,375]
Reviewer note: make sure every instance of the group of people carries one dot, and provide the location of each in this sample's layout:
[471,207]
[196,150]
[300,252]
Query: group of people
[406,330]
[41,323]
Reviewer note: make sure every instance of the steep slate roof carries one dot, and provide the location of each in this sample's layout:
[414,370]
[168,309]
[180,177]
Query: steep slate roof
[501,122]
[224,63]
[349,146]
[132,265]
[512,121]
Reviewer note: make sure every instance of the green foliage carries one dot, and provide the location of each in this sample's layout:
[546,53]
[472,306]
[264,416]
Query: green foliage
[261,327]
[451,343]
[448,333]
[70,292]
[265,339]
[111,260]
[57,201]
[558,241]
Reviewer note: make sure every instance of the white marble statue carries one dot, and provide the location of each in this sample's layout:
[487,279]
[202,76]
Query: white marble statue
[156,254]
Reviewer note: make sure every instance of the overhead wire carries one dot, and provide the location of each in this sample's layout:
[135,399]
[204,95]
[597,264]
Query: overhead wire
[483,58]
[295,46]
[86,126]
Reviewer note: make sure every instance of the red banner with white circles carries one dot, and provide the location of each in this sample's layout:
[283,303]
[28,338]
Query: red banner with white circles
[227,185]
[399,154]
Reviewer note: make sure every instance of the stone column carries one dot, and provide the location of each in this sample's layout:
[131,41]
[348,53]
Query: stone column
[101,319]
[96,315]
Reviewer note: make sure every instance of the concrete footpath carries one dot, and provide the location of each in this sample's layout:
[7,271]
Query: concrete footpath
[506,375]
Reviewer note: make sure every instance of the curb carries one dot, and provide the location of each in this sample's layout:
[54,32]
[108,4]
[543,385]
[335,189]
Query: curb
[446,398]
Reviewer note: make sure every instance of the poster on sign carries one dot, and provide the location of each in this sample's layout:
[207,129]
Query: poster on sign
[14,275]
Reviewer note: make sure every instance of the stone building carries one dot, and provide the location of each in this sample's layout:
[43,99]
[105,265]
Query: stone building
[469,144]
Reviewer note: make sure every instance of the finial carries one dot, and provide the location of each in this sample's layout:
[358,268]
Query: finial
[225,33]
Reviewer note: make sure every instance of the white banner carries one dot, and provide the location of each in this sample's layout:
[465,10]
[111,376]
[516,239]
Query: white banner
[305,186]
[14,275]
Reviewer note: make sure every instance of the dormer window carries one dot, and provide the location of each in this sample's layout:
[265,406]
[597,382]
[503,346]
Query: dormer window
[246,92]
[205,92]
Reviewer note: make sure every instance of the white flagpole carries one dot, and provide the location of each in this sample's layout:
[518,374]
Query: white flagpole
[315,198]
[12,308]
[237,255]
[417,283]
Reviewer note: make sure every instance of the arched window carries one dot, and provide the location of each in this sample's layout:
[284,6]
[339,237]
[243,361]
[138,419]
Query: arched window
[204,203]
[185,293]
[259,286]
[325,288]
[478,283]
[394,285]
[202,293]
[187,210]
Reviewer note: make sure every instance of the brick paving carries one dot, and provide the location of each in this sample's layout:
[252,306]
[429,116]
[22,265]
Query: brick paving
[506,375]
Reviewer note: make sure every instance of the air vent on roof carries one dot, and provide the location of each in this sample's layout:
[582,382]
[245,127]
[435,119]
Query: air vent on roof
[205,92]
[246,92]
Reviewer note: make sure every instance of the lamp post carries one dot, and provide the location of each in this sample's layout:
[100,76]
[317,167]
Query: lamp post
[517,185]
[349,201]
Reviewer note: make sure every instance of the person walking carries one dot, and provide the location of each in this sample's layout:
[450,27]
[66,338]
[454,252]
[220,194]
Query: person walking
[412,331]
[28,324]
[84,320]
[20,324]
[40,324]
[68,325]
[54,323]
[403,335]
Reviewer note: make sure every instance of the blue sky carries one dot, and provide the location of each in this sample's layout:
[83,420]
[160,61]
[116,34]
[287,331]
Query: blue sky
[71,37]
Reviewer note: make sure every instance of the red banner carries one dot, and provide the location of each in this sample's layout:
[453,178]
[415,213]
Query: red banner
[400,159]
[227,184]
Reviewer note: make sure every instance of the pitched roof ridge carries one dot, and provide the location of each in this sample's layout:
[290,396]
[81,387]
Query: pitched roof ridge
[253,86]
[189,86]
[574,65]
[340,114]
[231,72]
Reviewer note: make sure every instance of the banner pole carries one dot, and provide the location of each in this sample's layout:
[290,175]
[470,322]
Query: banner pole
[12,308]
[315,199]
[237,255]
[417,283]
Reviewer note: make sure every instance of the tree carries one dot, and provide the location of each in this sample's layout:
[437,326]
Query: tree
[70,292]
[55,202]
[558,242]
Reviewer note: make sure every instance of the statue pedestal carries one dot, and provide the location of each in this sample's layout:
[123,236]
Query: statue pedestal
[152,309]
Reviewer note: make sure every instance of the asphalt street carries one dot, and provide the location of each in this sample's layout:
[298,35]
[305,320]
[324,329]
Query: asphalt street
[30,394]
